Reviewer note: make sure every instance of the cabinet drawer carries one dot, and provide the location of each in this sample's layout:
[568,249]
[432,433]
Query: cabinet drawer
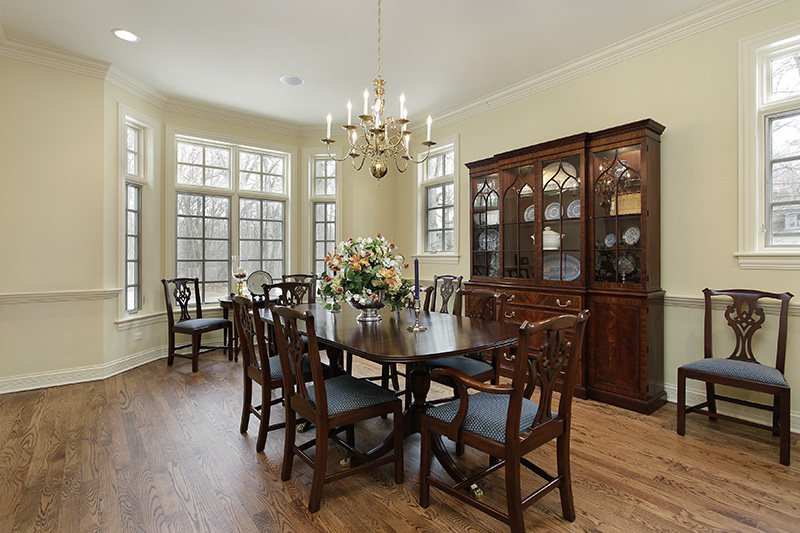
[571,303]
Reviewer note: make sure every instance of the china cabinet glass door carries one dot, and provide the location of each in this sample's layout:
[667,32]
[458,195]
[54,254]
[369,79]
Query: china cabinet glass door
[486,226]
[560,229]
[618,215]
[518,224]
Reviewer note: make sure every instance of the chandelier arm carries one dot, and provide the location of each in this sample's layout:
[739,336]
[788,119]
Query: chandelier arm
[397,163]
[329,142]
[360,164]
[429,145]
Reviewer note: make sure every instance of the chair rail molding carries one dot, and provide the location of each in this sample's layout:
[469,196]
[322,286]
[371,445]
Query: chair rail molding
[58,296]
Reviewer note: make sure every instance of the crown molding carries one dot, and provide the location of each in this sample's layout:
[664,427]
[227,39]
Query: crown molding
[135,87]
[667,33]
[194,109]
[51,57]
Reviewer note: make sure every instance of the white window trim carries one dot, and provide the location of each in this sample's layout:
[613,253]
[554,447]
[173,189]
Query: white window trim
[148,201]
[753,252]
[173,188]
[309,155]
[439,257]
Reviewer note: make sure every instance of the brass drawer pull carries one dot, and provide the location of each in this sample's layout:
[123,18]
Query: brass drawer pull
[512,315]
[558,301]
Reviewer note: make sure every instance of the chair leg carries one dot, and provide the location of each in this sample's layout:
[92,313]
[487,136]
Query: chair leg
[171,354]
[393,376]
[399,463]
[320,461]
[711,397]
[266,409]
[195,351]
[785,430]
[776,418]
[226,339]
[350,435]
[424,467]
[565,473]
[681,423]
[288,444]
[247,401]
[514,496]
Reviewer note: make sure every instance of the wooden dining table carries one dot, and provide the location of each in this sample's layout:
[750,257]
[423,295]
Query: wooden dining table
[390,341]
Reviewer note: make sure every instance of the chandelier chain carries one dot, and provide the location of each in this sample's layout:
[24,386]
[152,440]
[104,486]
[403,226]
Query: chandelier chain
[379,38]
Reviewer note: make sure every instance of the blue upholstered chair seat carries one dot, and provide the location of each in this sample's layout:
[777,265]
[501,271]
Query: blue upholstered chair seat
[469,366]
[346,393]
[486,414]
[740,370]
[188,326]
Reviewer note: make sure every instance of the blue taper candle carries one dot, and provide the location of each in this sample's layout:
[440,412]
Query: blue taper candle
[416,279]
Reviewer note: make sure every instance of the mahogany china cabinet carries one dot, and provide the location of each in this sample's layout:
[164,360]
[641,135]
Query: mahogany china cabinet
[573,224]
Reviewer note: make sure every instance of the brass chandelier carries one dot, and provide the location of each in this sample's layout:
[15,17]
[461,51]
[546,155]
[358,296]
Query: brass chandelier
[376,138]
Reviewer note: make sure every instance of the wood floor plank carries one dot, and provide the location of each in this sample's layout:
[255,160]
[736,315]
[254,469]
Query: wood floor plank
[158,449]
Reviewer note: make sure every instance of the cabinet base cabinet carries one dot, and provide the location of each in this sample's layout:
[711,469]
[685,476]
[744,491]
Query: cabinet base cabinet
[625,357]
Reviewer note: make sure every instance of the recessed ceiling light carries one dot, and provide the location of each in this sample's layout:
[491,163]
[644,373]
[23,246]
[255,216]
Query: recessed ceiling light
[125,35]
[291,80]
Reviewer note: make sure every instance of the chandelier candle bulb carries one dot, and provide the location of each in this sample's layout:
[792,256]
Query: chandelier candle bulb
[330,119]
[366,101]
[430,121]
[402,104]
[349,112]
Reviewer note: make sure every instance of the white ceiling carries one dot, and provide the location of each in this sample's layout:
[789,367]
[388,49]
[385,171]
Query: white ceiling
[442,53]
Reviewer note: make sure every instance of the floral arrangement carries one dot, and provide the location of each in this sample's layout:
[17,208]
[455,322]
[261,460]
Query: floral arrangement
[364,271]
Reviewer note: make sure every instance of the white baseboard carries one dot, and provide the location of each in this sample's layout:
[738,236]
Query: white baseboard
[694,397]
[69,376]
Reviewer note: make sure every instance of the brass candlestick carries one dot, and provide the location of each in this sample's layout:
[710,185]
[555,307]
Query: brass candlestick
[240,281]
[416,327]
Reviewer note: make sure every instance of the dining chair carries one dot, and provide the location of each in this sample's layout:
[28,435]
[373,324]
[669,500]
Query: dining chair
[504,422]
[443,289]
[195,327]
[330,404]
[257,366]
[745,315]
[474,303]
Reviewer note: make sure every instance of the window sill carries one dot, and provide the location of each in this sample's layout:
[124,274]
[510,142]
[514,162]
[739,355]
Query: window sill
[440,259]
[784,260]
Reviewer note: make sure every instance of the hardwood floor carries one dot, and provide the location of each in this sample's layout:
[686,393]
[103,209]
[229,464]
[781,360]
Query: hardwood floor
[159,449]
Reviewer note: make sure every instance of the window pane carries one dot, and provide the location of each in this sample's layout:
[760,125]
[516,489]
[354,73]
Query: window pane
[250,249]
[435,219]
[273,230]
[449,194]
[132,139]
[218,157]
[190,227]
[434,241]
[785,76]
[133,164]
[190,249]
[785,136]
[216,249]
[449,217]
[330,186]
[449,163]
[786,181]
[249,162]
[190,153]
[273,184]
[273,250]
[249,181]
[217,206]
[449,241]
[249,208]
[319,186]
[216,271]
[217,177]
[217,228]
[190,175]
[435,196]
[249,229]
[273,210]
[190,204]
[786,225]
